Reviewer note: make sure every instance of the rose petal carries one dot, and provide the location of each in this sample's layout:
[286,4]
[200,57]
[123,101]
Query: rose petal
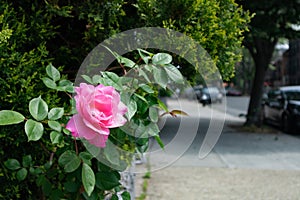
[99,140]
[71,127]
[99,108]
[84,131]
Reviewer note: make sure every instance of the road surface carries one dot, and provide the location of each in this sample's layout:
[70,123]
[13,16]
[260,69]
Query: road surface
[241,166]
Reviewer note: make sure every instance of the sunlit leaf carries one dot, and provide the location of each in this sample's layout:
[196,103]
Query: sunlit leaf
[55,113]
[174,113]
[49,83]
[88,178]
[161,59]
[173,73]
[52,72]
[38,108]
[8,117]
[69,161]
[34,130]
[160,76]
[54,125]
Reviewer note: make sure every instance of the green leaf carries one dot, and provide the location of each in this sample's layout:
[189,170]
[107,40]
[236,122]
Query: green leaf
[143,74]
[114,197]
[56,194]
[147,88]
[152,129]
[107,180]
[34,130]
[93,196]
[8,117]
[126,62]
[161,59]
[55,113]
[142,106]
[153,114]
[38,108]
[54,125]
[47,187]
[122,60]
[69,161]
[49,83]
[149,67]
[21,174]
[52,72]
[66,131]
[159,141]
[162,105]
[112,79]
[96,79]
[12,164]
[126,195]
[26,161]
[86,157]
[87,79]
[112,154]
[160,76]
[88,178]
[56,137]
[131,108]
[143,55]
[174,74]
[65,85]
[140,97]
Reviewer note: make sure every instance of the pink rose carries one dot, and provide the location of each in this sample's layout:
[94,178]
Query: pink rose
[99,108]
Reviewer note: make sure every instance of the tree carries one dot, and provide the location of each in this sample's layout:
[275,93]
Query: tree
[217,25]
[272,20]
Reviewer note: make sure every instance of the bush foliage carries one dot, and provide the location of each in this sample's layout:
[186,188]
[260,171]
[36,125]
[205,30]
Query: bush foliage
[35,33]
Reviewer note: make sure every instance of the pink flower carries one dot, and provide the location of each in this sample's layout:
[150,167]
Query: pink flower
[99,108]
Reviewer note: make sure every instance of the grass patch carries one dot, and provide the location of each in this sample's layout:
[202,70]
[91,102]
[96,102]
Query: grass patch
[145,185]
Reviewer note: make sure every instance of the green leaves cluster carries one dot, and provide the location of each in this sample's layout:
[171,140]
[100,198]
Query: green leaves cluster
[67,171]
[74,171]
[20,168]
[217,25]
[139,92]
[54,81]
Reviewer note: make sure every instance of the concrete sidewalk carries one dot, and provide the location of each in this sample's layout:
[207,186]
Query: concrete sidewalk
[242,165]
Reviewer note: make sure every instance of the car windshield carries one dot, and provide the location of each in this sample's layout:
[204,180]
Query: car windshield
[293,95]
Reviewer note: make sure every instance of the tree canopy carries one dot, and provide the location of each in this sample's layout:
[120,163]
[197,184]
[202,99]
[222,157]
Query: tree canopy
[218,26]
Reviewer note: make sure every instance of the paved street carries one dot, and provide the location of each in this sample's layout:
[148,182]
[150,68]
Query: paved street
[245,165]
[234,105]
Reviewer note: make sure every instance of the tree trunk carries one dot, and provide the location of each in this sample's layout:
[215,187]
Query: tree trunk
[254,109]
[261,51]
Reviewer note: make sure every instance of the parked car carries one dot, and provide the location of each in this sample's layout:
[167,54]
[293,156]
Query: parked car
[233,92]
[208,95]
[282,107]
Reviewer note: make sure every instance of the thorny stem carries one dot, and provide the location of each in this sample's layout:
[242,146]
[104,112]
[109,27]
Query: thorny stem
[51,158]
[69,95]
[124,70]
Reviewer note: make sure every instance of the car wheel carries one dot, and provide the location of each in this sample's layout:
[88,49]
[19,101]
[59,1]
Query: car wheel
[285,124]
